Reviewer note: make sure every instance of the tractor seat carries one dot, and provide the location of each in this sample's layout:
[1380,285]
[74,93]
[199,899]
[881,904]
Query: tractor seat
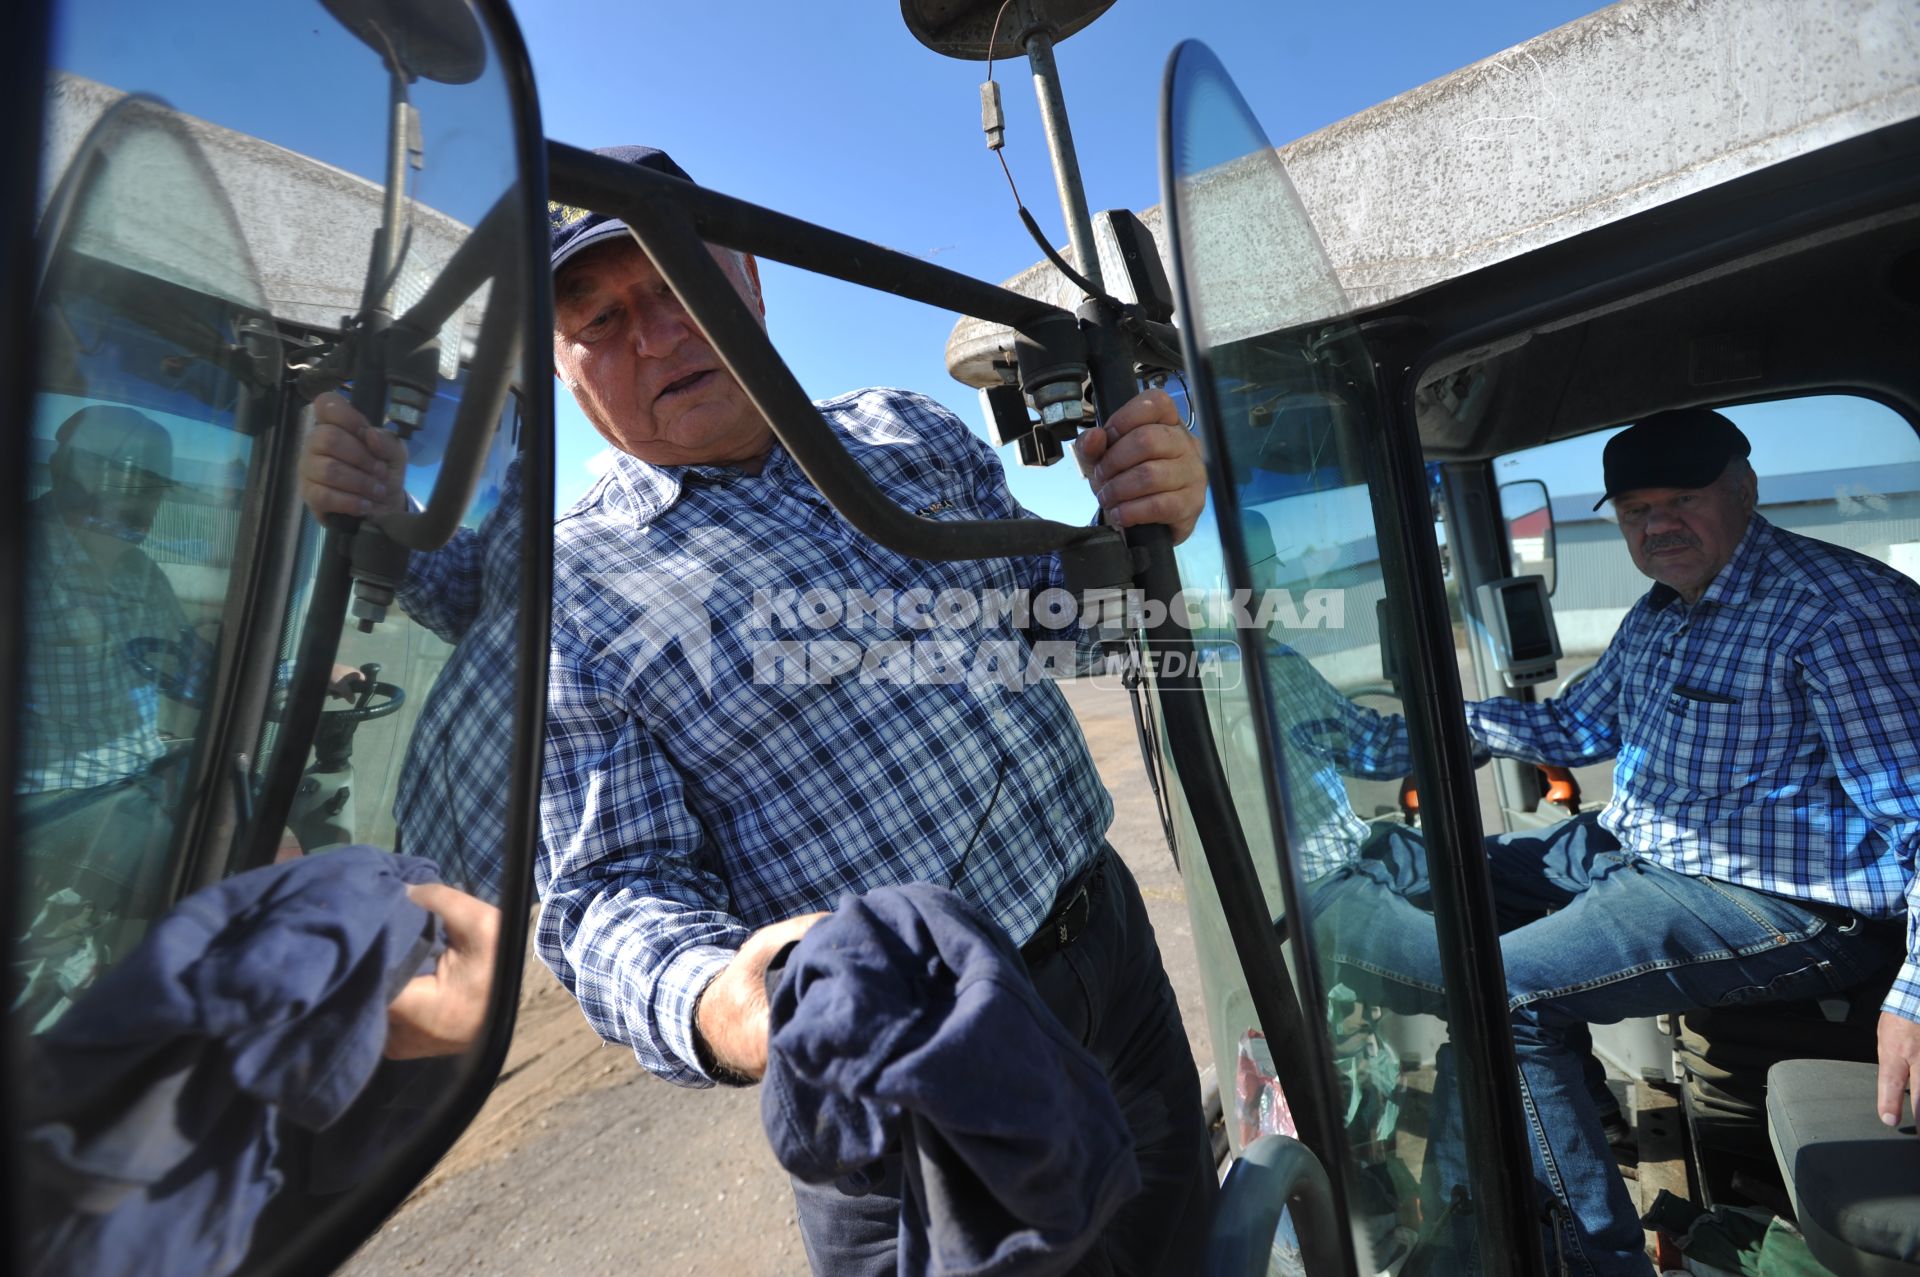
[1855,1183]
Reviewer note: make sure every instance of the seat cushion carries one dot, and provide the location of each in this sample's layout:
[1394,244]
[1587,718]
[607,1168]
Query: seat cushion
[1855,1183]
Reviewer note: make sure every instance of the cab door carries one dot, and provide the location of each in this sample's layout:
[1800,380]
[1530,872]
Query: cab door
[1314,582]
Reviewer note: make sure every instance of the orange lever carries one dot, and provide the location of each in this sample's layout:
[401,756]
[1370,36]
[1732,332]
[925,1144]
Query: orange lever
[1561,788]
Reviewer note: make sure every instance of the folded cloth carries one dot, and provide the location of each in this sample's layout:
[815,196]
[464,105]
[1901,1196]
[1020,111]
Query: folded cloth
[153,1100]
[908,1016]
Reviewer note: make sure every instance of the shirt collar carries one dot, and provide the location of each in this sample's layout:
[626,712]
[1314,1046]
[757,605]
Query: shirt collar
[651,490]
[1733,584]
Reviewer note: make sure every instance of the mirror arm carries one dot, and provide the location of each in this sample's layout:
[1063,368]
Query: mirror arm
[496,354]
[664,215]
[1157,345]
[593,181]
[494,240]
[306,695]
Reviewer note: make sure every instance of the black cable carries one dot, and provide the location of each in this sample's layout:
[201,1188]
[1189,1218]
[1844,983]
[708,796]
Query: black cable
[1026,218]
[1060,263]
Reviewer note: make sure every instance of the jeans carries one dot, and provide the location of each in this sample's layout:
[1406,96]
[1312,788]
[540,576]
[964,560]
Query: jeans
[1625,938]
[1110,989]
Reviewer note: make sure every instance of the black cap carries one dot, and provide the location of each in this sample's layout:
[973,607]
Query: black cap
[572,229]
[1684,448]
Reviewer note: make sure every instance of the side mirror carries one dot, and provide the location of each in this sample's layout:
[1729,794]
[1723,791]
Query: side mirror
[208,829]
[1526,511]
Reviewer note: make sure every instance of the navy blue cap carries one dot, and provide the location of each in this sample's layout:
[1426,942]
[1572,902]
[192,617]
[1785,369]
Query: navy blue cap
[573,229]
[1684,448]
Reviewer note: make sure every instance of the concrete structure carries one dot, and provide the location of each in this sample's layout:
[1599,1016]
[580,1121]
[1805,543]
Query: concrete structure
[1619,112]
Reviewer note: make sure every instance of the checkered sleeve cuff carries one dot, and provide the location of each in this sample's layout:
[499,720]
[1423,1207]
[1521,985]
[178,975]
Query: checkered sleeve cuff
[682,982]
[1903,999]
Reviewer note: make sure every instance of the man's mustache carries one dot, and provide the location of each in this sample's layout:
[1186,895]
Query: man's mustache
[1670,541]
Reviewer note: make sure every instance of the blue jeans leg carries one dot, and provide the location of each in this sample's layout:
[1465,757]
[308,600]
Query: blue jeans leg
[1536,871]
[1638,939]
[1623,938]
[1373,918]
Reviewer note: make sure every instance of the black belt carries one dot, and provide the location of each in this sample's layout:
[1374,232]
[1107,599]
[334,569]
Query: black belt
[1072,910]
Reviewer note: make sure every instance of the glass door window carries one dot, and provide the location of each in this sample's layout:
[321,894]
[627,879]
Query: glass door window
[1299,586]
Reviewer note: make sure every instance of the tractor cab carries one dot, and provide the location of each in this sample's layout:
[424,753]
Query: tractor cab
[236,735]
[1421,441]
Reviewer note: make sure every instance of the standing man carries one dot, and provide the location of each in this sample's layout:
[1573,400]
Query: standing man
[720,767]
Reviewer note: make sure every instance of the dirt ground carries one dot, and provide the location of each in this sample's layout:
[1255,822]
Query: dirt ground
[582,1164]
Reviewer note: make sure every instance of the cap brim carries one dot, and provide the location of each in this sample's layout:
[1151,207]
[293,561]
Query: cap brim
[598,235]
[1686,476]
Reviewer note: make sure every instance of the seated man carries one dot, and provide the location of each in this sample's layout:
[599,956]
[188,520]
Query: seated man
[105,637]
[1763,706]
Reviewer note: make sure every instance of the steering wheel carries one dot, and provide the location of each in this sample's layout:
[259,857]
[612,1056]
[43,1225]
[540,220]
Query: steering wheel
[177,683]
[365,707]
[333,738]
[168,665]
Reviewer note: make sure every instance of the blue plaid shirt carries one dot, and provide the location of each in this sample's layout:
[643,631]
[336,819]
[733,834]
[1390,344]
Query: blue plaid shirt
[1324,736]
[1768,735]
[451,803]
[90,712]
[715,764]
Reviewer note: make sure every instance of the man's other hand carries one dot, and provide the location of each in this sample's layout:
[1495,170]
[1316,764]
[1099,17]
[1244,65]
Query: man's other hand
[443,1013]
[348,466]
[1899,1064]
[732,1017]
[1145,467]
[346,682]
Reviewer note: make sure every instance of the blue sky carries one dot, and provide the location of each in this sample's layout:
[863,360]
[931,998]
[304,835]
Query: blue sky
[850,122]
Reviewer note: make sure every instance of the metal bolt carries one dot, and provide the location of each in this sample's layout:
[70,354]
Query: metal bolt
[1063,411]
[370,602]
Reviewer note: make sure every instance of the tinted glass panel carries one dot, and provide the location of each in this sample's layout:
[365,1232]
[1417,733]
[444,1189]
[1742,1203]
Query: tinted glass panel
[1296,426]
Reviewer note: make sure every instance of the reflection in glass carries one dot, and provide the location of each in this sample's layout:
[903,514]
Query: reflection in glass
[1289,384]
[150,388]
[107,639]
[211,921]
